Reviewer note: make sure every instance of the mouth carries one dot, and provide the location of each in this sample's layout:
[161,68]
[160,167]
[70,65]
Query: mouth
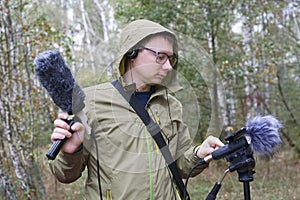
[161,76]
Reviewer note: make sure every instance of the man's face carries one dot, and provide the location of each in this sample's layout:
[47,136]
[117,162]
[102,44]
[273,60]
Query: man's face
[152,64]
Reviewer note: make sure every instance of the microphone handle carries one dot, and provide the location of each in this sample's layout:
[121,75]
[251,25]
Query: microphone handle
[58,144]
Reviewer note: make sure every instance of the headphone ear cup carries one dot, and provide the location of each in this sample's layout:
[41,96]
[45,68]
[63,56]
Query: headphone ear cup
[132,54]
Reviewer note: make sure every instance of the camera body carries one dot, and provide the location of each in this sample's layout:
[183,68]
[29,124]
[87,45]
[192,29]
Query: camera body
[241,160]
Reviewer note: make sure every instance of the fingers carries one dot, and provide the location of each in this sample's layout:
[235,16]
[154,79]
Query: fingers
[78,129]
[60,123]
[208,151]
[208,146]
[214,142]
[60,134]
[219,143]
[61,128]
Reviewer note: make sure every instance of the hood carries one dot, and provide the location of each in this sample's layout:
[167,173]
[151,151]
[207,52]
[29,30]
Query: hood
[131,35]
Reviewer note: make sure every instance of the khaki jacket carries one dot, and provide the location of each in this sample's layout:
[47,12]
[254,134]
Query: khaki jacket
[131,164]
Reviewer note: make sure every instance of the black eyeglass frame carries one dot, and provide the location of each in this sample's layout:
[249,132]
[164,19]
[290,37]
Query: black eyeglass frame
[173,59]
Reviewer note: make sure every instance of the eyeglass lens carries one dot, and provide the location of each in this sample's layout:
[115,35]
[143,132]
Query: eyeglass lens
[161,57]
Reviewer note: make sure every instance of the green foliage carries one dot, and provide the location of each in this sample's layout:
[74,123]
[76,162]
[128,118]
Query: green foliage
[258,65]
[247,58]
[160,11]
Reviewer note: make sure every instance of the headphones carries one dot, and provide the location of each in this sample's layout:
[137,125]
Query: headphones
[132,54]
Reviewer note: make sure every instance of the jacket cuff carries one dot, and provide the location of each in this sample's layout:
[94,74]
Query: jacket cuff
[67,166]
[195,150]
[78,149]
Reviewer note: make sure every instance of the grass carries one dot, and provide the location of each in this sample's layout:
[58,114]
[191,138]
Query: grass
[277,179]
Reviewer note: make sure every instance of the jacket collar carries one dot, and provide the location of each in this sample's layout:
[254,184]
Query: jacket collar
[159,89]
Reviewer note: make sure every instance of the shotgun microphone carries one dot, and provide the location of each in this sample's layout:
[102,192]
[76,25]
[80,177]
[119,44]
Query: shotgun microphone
[261,133]
[57,79]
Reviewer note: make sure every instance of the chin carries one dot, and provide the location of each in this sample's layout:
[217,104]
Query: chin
[157,82]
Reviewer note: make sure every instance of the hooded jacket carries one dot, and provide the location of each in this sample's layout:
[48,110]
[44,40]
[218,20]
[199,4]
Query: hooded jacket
[131,164]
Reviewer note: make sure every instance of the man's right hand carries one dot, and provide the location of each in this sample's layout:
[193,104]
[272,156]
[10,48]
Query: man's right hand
[61,131]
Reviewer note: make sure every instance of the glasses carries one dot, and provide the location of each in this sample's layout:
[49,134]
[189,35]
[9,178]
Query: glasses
[161,57]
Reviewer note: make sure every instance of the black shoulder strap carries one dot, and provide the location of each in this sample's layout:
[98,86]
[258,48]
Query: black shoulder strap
[154,131]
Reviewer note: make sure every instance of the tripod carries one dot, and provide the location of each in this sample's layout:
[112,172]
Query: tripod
[245,173]
[241,161]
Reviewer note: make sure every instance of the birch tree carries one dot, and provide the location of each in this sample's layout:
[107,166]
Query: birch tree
[23,35]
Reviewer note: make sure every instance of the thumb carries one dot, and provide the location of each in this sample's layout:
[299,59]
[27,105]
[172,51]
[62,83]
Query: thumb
[78,129]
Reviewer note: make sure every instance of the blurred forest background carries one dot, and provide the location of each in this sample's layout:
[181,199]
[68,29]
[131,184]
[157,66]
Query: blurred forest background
[253,45]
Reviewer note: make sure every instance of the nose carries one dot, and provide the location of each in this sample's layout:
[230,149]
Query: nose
[167,65]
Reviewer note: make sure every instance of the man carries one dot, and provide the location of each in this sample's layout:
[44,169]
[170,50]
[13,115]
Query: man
[130,164]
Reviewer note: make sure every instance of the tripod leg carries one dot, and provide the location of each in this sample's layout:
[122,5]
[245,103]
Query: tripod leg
[246,190]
